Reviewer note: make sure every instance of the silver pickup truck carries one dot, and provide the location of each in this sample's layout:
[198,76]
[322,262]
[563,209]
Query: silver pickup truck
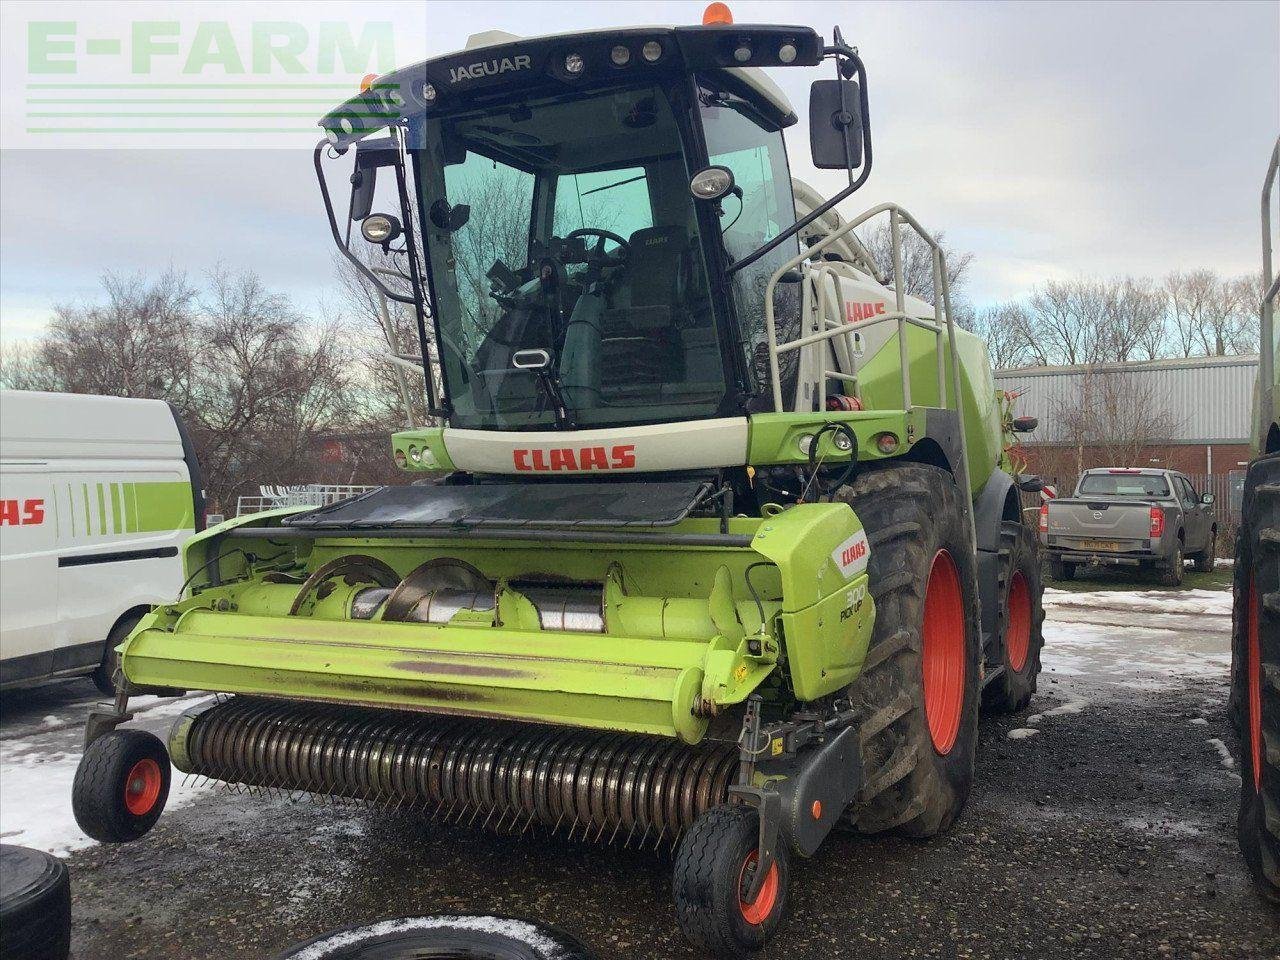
[1130,517]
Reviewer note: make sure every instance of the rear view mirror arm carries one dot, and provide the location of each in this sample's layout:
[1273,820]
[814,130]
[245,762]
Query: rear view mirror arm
[415,279]
[848,62]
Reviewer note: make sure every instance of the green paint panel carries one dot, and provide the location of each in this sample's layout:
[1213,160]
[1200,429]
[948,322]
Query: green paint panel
[102,510]
[129,494]
[164,505]
[88,514]
[117,509]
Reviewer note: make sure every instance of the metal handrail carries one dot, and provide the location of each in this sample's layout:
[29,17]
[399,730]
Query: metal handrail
[1271,284]
[941,312]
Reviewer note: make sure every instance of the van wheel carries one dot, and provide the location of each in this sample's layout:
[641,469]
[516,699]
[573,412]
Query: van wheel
[104,676]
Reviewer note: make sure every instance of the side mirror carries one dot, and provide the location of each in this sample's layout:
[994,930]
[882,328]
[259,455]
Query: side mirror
[370,155]
[1025,424]
[835,124]
[1207,499]
[1030,484]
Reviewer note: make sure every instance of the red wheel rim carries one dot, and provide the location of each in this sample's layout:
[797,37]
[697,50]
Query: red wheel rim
[142,787]
[757,911]
[1017,632]
[1253,669]
[944,666]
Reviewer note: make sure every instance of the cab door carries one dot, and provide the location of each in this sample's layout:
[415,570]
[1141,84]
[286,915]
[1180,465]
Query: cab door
[1192,515]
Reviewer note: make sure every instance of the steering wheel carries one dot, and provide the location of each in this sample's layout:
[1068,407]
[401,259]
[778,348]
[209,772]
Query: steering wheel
[624,248]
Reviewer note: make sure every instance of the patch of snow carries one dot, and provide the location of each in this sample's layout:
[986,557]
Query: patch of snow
[1062,709]
[1021,733]
[518,930]
[1198,722]
[1193,602]
[1159,825]
[1224,754]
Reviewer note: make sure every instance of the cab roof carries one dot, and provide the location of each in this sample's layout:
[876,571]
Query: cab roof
[495,62]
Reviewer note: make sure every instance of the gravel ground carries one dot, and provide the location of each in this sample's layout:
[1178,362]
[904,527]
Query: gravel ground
[1109,832]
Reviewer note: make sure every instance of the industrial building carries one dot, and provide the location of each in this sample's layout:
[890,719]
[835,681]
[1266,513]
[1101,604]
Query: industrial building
[1191,415]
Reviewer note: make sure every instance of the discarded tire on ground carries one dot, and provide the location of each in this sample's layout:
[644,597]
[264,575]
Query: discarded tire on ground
[440,937]
[1255,673]
[121,785]
[35,905]
[1021,621]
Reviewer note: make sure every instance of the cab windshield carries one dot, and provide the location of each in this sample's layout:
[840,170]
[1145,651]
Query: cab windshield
[564,228]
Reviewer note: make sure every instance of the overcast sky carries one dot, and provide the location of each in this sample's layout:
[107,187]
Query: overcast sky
[1048,139]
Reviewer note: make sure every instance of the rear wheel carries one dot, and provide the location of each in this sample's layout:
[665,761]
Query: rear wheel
[918,693]
[1255,674]
[1172,570]
[1021,620]
[1061,570]
[714,866]
[121,785]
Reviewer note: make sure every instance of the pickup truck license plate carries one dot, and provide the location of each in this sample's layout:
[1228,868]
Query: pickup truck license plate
[1109,545]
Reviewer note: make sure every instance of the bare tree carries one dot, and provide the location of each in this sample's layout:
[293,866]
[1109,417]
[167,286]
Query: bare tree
[138,342]
[917,260]
[1005,330]
[1211,315]
[1112,417]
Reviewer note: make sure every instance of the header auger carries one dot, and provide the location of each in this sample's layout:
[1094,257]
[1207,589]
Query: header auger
[719,548]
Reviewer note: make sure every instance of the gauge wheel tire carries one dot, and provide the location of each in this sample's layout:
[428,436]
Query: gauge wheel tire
[1207,558]
[1171,570]
[711,869]
[1061,570]
[121,786]
[918,694]
[1021,620]
[446,936]
[104,675]
[1255,674]
[35,905]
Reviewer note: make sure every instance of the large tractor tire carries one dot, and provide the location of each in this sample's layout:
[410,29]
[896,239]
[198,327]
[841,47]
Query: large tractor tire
[919,689]
[1255,673]
[1021,621]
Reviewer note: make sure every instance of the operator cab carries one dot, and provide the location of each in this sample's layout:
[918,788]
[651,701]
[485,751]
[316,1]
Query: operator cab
[576,277]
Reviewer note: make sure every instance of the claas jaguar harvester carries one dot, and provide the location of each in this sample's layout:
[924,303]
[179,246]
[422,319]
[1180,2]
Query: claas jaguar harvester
[716,546]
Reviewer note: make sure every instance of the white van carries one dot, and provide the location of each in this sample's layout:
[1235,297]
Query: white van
[97,496]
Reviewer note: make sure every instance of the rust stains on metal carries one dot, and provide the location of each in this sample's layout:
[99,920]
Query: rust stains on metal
[459,669]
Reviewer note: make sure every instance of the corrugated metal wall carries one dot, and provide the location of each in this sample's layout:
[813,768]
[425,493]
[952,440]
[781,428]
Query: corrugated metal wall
[1209,398]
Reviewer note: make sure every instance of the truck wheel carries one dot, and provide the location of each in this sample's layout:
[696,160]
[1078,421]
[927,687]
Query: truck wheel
[1021,619]
[35,905]
[713,865]
[121,785]
[104,677]
[919,689]
[1255,674]
[1207,558]
[1171,572]
[1061,570]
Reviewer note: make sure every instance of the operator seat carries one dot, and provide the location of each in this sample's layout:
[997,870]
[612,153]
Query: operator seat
[640,341]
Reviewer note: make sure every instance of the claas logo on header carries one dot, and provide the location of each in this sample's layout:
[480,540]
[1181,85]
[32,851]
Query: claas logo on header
[621,457]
